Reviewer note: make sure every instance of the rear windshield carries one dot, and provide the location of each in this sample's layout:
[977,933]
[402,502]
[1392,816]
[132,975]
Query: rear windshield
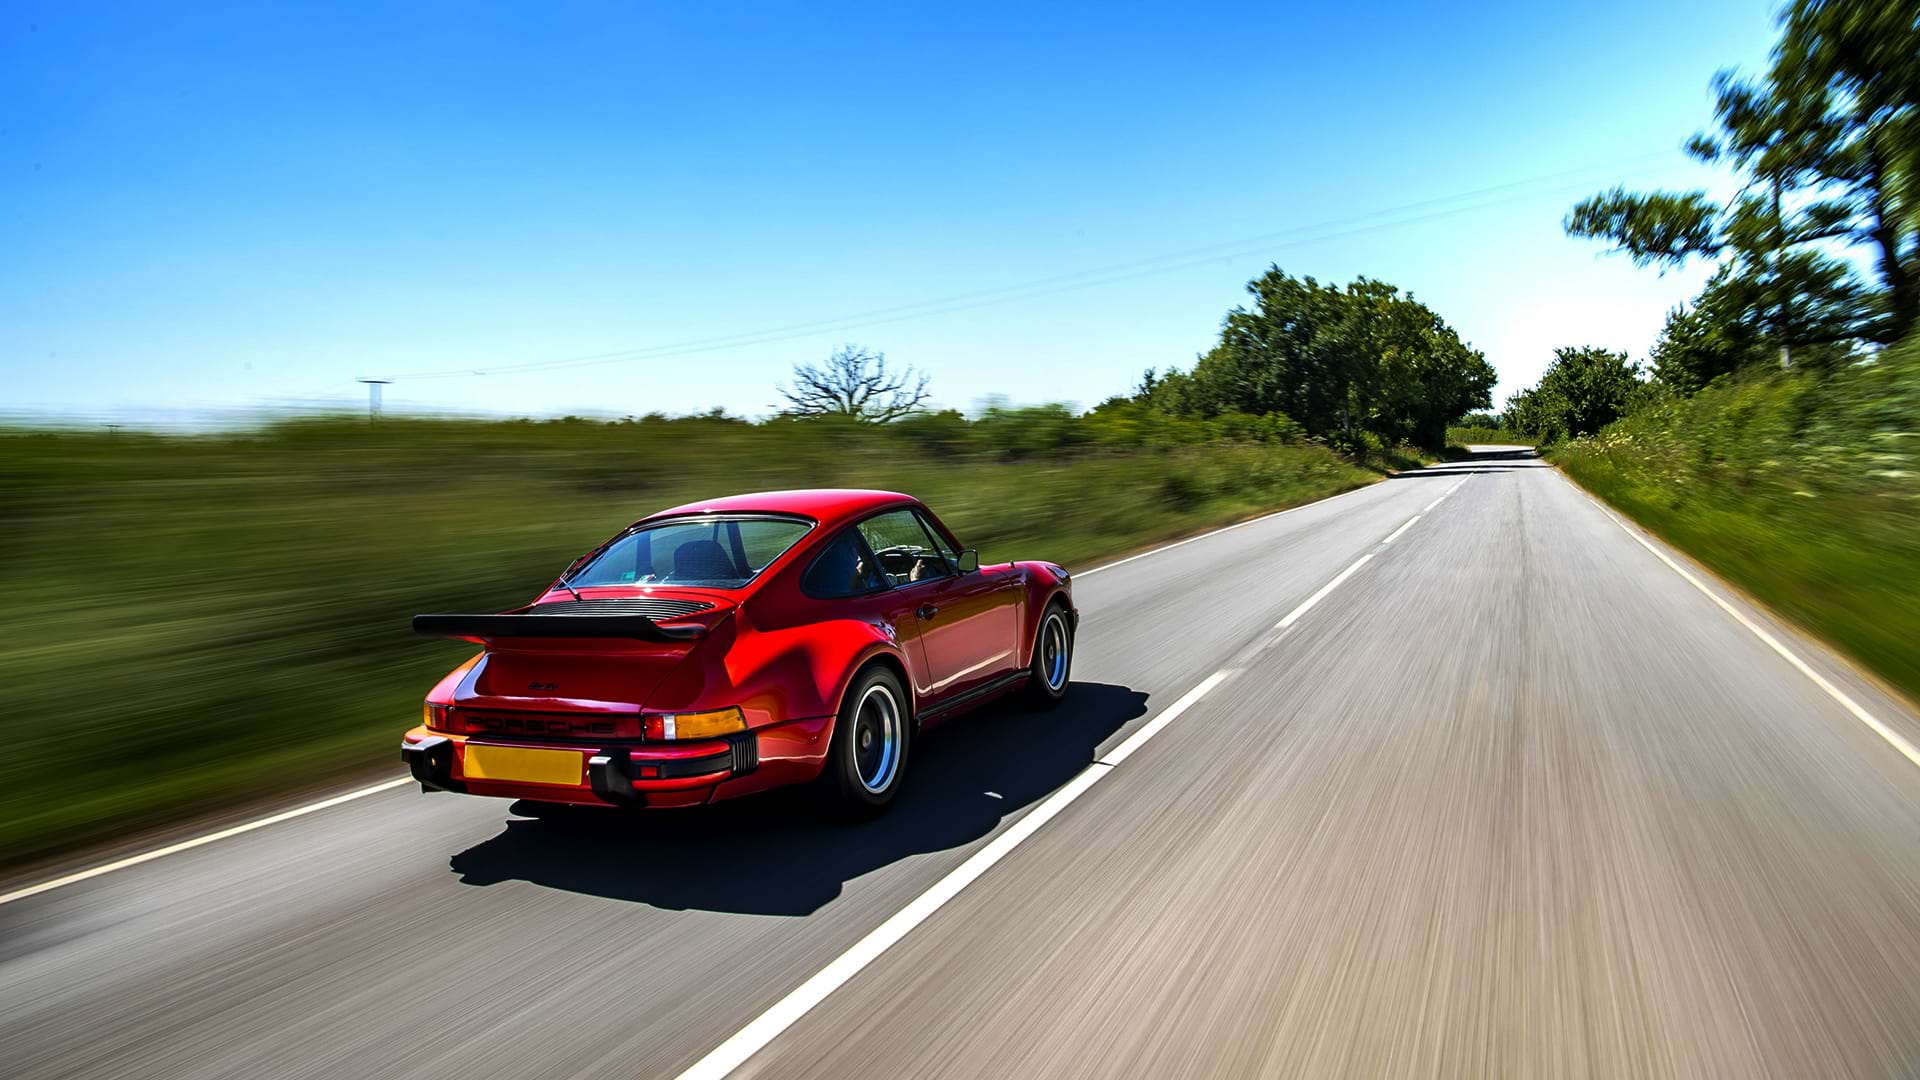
[713,550]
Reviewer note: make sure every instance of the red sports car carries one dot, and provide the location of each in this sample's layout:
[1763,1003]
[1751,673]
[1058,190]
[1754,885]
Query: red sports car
[727,647]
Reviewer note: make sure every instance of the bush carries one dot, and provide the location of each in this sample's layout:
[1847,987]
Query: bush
[1802,487]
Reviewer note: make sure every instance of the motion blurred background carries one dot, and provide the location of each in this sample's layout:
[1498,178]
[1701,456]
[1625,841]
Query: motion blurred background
[601,250]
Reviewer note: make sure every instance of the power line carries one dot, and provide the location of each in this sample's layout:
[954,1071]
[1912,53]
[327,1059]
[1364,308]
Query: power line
[1058,283]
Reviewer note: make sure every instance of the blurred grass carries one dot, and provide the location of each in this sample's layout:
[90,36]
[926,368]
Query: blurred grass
[199,620]
[1483,436]
[1801,488]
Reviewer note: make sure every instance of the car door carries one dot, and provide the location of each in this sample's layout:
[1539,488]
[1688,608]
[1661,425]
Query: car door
[963,619]
[982,604]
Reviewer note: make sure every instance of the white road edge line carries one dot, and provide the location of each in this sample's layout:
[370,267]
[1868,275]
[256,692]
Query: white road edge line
[199,841]
[763,1029]
[1307,604]
[1401,529]
[1893,738]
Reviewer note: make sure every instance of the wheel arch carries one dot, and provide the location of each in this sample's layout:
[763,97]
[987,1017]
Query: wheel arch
[893,662]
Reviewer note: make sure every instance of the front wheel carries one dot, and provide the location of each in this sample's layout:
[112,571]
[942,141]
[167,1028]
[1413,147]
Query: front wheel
[868,754]
[1052,658]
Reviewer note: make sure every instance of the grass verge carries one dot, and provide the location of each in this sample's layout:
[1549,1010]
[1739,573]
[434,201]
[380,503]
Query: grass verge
[195,621]
[1802,489]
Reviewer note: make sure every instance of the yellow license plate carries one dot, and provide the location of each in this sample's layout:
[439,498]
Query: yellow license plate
[519,765]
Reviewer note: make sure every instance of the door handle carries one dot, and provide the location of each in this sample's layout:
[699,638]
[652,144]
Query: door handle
[926,611]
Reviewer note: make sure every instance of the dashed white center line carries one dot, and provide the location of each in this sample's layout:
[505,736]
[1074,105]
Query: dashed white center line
[1401,529]
[1443,495]
[722,1060]
[1172,712]
[1294,615]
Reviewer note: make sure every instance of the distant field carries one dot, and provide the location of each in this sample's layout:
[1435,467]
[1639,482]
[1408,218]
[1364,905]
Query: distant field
[195,620]
[1803,489]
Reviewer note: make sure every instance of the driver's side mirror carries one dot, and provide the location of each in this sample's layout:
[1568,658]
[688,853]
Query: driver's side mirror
[968,561]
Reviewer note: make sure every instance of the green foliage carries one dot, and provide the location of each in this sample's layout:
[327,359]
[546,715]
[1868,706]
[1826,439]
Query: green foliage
[1480,435]
[1343,363]
[1582,391]
[1828,139]
[229,613]
[1802,487]
[1706,340]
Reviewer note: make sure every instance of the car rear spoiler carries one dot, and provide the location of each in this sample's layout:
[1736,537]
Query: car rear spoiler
[485,629]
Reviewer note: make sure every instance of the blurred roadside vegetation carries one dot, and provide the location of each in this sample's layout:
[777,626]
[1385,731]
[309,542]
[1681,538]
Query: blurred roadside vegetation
[1801,487]
[198,620]
[1775,433]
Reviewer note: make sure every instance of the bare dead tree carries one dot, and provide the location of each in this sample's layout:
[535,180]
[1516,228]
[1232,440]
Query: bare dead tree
[854,382]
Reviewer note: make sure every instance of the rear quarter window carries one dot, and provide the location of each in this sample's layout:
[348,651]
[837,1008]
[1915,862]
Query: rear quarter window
[842,568]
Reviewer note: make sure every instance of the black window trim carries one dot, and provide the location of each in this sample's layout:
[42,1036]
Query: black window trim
[919,515]
[941,541]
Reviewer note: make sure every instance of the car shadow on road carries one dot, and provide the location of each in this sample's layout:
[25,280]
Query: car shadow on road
[772,855]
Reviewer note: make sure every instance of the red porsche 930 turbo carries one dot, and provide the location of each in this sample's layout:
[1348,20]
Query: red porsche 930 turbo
[726,647]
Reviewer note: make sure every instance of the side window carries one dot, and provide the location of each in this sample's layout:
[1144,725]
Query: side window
[842,568]
[939,542]
[906,553]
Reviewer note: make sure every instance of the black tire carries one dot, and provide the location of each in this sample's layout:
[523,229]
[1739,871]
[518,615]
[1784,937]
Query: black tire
[867,759]
[1052,667]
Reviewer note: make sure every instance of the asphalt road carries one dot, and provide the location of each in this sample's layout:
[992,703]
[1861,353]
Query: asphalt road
[1512,799]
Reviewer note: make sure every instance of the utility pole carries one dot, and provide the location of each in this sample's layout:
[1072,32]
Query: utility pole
[373,396]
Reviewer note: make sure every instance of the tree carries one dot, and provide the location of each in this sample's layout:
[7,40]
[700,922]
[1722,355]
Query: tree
[1853,66]
[1582,391]
[1341,362]
[854,382]
[1827,143]
[1708,339]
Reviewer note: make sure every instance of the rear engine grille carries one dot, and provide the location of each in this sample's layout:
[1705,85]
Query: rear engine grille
[652,607]
[534,725]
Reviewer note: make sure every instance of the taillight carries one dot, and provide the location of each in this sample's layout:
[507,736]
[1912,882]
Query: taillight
[434,716]
[693,725]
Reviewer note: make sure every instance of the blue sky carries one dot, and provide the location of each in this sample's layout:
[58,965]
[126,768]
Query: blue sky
[214,207]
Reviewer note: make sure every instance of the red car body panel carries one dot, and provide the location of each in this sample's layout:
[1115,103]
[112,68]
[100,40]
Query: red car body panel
[782,657]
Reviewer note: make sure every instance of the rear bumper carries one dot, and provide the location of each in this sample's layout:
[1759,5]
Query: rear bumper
[626,774]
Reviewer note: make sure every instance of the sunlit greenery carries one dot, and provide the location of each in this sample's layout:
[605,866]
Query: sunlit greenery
[1362,365]
[194,620]
[1773,440]
[1802,487]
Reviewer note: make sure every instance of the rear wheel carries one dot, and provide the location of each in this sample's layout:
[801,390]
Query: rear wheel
[1052,658]
[868,755]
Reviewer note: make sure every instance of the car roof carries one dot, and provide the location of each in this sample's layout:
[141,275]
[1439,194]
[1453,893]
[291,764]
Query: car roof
[828,506]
